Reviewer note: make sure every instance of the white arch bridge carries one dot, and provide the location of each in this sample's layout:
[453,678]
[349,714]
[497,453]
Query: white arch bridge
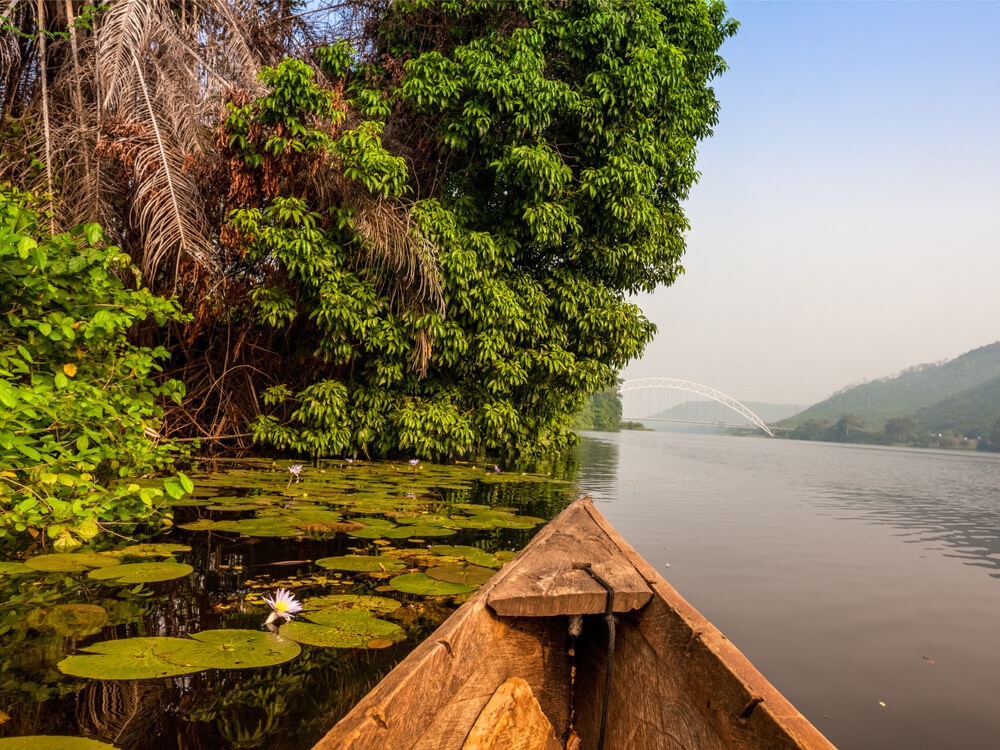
[697,389]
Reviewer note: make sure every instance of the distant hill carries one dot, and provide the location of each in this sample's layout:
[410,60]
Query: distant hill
[920,393]
[713,411]
[973,412]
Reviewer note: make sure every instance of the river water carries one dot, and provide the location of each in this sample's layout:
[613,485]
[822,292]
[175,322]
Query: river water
[851,576]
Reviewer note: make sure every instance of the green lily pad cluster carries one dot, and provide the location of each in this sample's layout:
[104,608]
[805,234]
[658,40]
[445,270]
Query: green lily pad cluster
[423,585]
[359,492]
[360,563]
[106,566]
[345,621]
[472,555]
[70,562]
[161,549]
[144,572]
[146,658]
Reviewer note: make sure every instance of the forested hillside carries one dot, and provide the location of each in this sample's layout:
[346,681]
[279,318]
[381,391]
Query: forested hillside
[905,394]
[974,413]
[948,404]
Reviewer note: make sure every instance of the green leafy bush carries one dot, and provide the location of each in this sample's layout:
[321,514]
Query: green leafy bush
[78,412]
[541,149]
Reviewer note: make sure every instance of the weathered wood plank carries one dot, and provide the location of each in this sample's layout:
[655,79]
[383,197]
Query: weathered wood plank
[678,683]
[431,699]
[533,649]
[512,720]
[546,582]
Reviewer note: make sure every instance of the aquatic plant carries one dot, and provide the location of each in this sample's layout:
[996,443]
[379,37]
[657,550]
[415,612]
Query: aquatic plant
[283,605]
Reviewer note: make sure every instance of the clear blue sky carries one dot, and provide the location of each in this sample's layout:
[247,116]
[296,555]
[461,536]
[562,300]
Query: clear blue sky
[847,222]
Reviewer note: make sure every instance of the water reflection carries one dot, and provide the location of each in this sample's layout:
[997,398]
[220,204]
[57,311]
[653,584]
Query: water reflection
[597,456]
[937,499]
[950,500]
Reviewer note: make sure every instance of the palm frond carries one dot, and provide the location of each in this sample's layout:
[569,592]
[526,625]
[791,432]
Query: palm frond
[128,29]
[166,200]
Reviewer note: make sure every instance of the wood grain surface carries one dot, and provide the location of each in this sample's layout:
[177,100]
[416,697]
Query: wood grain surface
[512,720]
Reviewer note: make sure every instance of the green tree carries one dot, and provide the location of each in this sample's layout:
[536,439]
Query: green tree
[812,429]
[79,418]
[547,149]
[602,412]
[847,428]
[900,430]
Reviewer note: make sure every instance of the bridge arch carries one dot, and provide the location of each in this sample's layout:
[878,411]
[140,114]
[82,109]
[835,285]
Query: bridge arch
[699,389]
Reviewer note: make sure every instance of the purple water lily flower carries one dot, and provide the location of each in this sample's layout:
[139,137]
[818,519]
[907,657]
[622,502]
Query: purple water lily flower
[283,604]
[496,469]
[413,461]
[295,470]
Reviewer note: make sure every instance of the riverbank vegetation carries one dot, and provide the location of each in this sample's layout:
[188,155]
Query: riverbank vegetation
[405,228]
[950,404]
[79,403]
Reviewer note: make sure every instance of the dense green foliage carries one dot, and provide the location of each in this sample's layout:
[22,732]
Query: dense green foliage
[904,394]
[78,413]
[953,404]
[974,412]
[602,412]
[542,149]
[423,245]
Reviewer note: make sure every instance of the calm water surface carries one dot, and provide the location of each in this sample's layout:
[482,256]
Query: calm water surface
[849,575]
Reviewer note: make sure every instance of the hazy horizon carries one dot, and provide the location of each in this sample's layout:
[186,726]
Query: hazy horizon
[844,226]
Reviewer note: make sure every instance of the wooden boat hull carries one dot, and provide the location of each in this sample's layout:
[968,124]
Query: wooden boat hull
[677,682]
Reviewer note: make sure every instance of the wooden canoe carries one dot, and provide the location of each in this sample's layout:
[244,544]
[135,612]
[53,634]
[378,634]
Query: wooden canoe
[504,673]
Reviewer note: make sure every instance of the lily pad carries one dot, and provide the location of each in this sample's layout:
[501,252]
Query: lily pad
[470,522]
[202,524]
[188,502]
[52,742]
[70,562]
[144,572]
[365,563]
[13,569]
[126,659]
[375,522]
[349,629]
[143,658]
[233,649]
[507,521]
[266,526]
[470,574]
[339,602]
[425,519]
[409,532]
[149,550]
[424,585]
[473,555]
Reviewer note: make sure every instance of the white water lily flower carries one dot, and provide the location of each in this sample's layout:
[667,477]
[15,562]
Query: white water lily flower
[283,604]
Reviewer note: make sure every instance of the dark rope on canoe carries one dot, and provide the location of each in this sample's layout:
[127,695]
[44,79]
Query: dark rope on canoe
[609,618]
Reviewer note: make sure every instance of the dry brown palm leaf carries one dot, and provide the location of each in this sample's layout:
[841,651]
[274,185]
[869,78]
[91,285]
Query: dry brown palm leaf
[167,203]
[394,244]
[129,28]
